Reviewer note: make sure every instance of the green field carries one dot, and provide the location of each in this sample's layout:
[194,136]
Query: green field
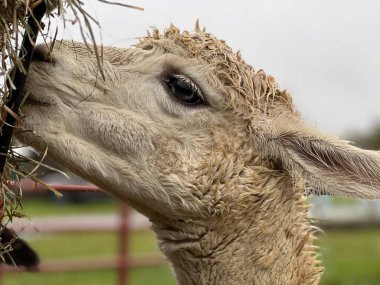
[351,257]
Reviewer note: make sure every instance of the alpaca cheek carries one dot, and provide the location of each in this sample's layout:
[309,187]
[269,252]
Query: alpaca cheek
[168,154]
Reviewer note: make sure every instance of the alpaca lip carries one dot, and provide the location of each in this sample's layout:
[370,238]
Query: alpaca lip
[30,99]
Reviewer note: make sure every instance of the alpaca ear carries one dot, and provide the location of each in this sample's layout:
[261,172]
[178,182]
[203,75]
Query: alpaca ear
[329,165]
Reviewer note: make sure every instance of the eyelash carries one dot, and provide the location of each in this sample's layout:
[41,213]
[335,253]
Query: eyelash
[184,90]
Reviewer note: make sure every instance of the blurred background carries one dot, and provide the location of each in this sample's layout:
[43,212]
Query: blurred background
[325,53]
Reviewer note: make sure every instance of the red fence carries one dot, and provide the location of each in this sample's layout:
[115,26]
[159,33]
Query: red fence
[122,263]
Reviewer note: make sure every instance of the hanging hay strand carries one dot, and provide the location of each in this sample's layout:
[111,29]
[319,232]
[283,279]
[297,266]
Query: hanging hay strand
[20,24]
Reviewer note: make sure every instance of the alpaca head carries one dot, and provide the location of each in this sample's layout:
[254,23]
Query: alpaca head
[181,127]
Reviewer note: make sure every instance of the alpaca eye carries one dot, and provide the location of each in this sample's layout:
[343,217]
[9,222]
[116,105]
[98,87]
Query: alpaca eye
[185,90]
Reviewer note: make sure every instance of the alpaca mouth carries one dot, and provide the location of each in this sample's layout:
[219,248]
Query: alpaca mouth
[31,99]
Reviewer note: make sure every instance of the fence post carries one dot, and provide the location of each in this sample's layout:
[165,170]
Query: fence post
[123,245]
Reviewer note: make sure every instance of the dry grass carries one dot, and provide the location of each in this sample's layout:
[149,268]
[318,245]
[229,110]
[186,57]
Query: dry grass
[14,15]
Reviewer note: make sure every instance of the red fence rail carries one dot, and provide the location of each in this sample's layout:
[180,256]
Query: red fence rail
[122,263]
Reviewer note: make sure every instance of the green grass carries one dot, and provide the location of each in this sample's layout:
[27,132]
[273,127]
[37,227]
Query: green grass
[53,246]
[64,246]
[38,207]
[350,257]
[92,245]
[159,275]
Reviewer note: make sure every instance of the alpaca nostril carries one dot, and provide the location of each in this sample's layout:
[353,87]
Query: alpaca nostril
[42,53]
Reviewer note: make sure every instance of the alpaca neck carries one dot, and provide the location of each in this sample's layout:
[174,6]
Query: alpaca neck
[268,242]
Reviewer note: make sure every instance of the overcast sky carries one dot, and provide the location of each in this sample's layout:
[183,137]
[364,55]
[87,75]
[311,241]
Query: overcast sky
[326,53]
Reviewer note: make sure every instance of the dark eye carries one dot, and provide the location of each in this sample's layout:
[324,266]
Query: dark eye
[184,89]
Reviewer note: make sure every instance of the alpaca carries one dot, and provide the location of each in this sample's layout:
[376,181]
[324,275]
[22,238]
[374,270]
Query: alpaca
[210,150]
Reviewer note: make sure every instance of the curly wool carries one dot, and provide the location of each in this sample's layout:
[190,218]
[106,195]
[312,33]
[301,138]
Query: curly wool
[244,89]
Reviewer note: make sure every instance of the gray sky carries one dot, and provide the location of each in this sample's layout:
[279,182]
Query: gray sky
[326,53]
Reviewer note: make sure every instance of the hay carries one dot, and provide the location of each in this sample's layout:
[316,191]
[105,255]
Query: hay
[19,26]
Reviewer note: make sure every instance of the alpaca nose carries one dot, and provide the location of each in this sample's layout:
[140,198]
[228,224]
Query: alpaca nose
[42,53]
